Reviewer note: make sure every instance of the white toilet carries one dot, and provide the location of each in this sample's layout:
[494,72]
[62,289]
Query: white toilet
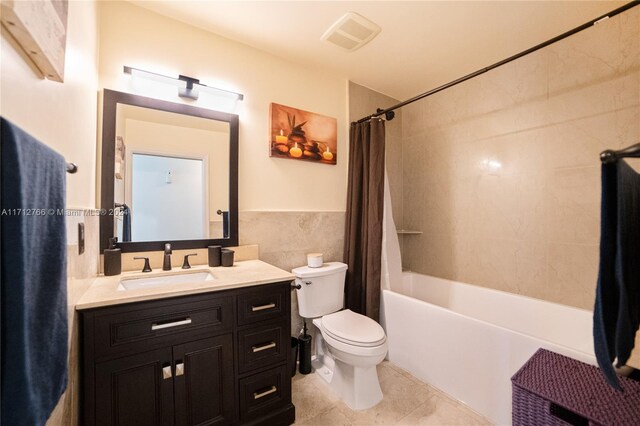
[349,345]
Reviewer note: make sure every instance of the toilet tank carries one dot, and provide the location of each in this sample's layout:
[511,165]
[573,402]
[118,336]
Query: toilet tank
[321,289]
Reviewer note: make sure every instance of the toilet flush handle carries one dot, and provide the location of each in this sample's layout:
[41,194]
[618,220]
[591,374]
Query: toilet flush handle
[307,282]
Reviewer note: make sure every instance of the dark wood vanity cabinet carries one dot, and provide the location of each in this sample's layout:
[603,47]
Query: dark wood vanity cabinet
[218,358]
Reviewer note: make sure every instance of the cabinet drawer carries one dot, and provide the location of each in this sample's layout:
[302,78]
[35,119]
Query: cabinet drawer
[262,305]
[264,392]
[135,328]
[259,347]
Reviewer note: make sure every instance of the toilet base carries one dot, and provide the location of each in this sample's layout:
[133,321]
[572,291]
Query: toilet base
[354,378]
[358,387]
[322,370]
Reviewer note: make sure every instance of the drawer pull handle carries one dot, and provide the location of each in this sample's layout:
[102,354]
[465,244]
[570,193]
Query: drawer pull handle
[259,395]
[166,372]
[263,347]
[160,326]
[179,369]
[263,307]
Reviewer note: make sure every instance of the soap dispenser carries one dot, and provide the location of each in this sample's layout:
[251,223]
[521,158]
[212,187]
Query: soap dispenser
[112,259]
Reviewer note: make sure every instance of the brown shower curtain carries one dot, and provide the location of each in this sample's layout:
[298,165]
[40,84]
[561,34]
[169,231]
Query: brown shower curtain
[363,230]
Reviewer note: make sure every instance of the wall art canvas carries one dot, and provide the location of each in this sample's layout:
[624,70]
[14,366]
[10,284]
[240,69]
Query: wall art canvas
[302,135]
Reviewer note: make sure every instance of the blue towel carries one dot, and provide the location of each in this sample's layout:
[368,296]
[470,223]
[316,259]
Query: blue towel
[34,278]
[126,221]
[616,315]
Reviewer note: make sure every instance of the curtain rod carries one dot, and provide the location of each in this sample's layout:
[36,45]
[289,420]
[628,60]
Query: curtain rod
[388,111]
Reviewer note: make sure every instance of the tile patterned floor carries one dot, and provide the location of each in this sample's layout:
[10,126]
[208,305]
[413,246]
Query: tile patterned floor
[407,401]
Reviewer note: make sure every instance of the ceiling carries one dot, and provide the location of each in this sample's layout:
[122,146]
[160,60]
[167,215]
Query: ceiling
[423,44]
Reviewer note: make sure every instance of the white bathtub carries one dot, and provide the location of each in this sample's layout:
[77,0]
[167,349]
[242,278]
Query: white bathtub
[468,341]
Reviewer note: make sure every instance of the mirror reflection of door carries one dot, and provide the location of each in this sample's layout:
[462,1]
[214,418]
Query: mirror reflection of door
[196,151]
[168,198]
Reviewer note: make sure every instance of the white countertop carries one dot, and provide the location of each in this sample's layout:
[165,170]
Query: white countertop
[104,290]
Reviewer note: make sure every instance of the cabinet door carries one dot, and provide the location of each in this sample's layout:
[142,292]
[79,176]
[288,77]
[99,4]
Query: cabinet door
[135,390]
[204,386]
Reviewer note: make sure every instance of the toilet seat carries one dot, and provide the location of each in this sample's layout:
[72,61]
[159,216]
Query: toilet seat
[353,329]
[363,352]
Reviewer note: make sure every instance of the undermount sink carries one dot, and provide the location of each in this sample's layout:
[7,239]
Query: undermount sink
[162,280]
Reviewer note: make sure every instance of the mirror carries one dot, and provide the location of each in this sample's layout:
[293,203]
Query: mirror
[169,174]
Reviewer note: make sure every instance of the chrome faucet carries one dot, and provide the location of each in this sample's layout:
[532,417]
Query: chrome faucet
[166,265]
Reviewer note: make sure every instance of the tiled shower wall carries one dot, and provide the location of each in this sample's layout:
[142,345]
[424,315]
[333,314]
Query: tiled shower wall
[502,174]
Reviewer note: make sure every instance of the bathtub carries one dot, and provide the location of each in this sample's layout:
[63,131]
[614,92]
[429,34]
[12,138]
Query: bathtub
[468,341]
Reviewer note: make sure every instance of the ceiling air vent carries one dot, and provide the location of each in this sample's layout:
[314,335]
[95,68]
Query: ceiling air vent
[351,32]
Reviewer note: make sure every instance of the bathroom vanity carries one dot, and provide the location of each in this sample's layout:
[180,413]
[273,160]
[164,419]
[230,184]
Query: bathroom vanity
[214,352]
[205,346]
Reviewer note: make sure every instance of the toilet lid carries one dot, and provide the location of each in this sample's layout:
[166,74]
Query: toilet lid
[326,269]
[354,329]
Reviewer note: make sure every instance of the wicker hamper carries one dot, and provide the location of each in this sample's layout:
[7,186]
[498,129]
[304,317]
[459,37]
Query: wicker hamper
[552,389]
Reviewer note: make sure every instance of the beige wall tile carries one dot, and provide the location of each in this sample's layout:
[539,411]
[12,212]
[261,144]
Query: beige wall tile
[531,225]
[572,274]
[81,270]
[573,205]
[285,238]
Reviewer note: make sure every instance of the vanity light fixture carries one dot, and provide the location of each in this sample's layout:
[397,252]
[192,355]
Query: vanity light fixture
[188,87]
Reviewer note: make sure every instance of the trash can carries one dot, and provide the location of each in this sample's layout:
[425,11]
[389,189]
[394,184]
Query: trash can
[294,355]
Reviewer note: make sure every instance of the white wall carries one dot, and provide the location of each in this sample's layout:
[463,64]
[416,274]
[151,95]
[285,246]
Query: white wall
[136,37]
[143,136]
[61,115]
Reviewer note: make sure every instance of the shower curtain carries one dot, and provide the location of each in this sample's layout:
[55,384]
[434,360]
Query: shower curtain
[363,230]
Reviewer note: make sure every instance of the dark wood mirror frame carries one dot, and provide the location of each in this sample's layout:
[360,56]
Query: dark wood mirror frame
[110,105]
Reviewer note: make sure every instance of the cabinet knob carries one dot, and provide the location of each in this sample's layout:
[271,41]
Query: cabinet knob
[179,369]
[166,372]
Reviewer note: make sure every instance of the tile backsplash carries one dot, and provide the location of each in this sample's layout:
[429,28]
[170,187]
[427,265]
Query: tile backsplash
[81,271]
[286,237]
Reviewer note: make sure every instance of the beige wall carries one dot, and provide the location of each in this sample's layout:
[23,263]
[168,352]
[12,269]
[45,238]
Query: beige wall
[160,44]
[532,226]
[288,208]
[62,115]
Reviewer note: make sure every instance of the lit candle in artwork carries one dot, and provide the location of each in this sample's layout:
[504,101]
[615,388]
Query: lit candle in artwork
[327,155]
[281,138]
[295,151]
